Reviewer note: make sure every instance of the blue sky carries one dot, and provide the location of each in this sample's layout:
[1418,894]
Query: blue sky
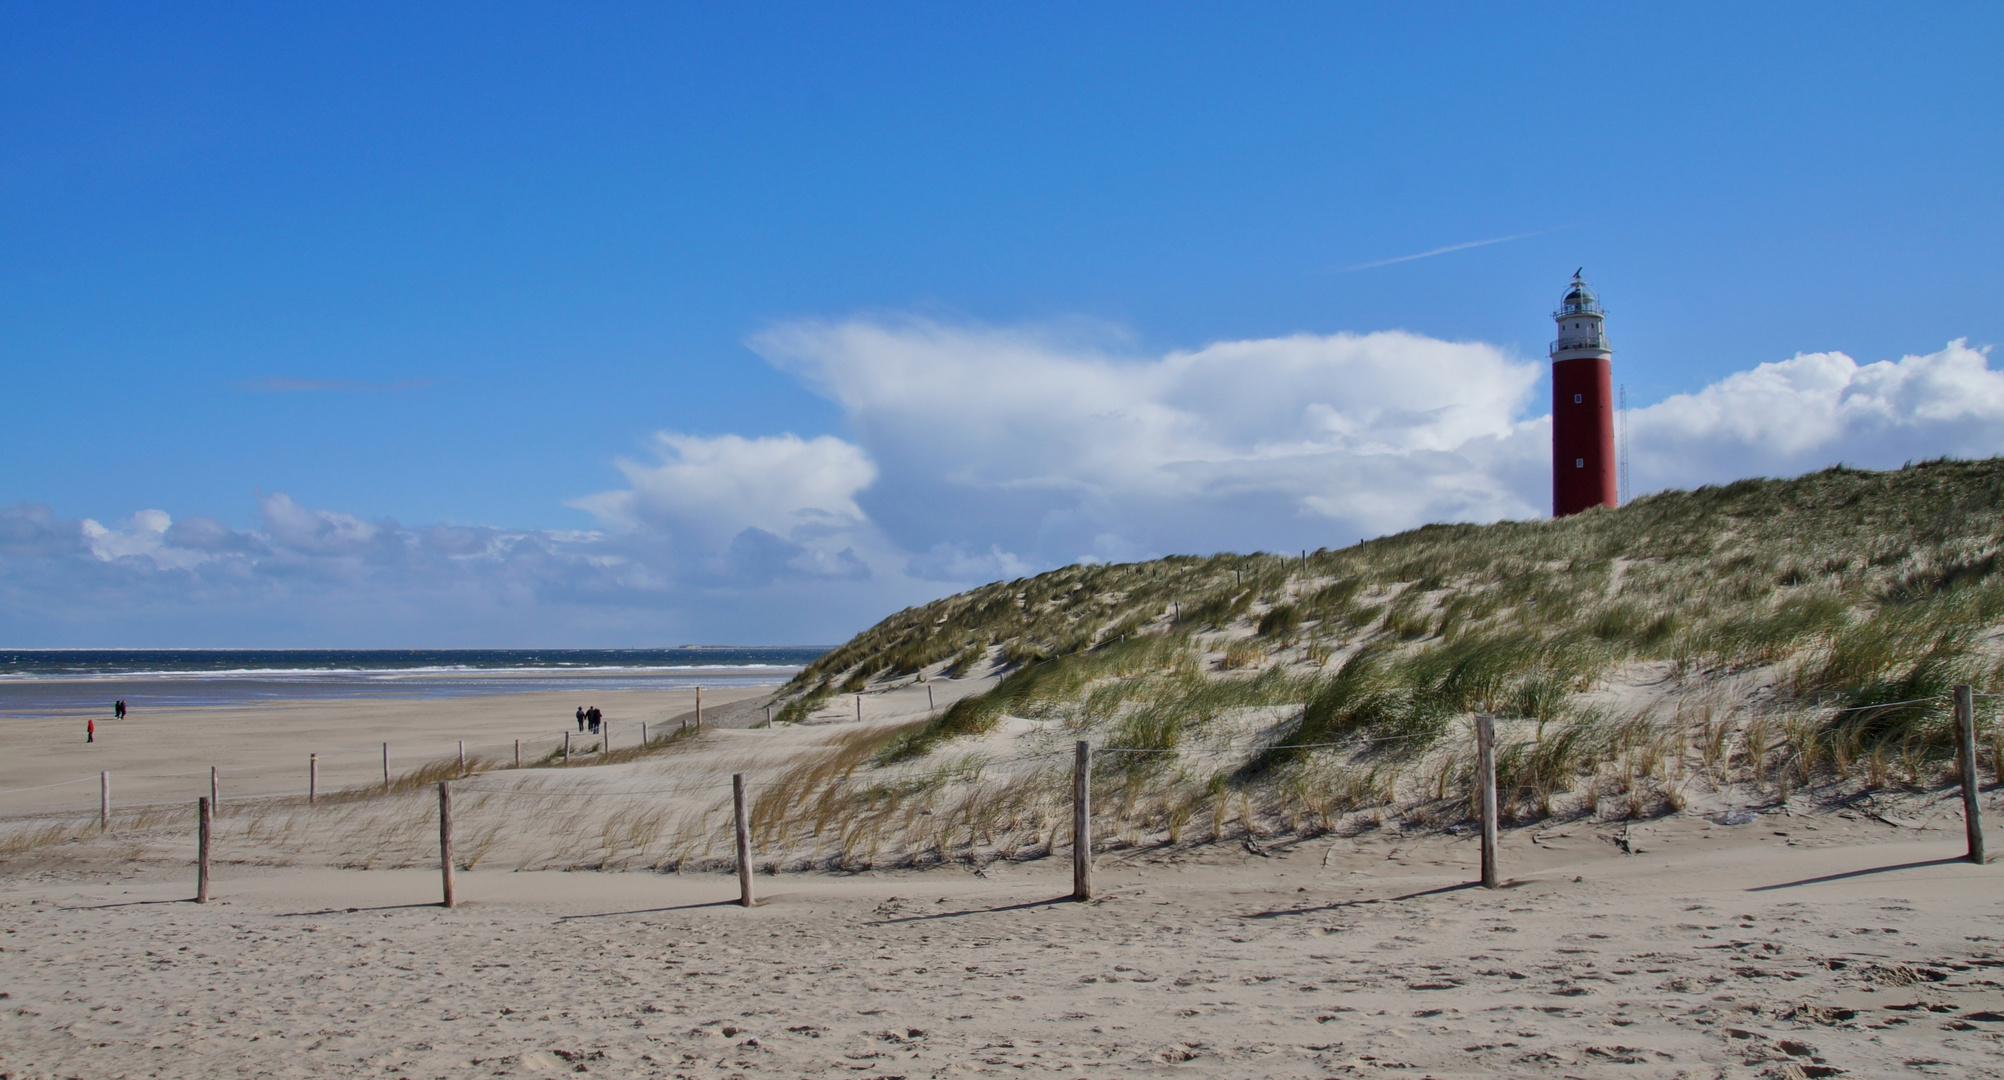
[450,266]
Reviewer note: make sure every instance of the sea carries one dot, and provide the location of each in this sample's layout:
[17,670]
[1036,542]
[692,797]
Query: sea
[78,682]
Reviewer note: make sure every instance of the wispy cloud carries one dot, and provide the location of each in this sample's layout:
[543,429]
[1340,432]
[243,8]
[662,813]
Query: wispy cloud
[1441,251]
[285,384]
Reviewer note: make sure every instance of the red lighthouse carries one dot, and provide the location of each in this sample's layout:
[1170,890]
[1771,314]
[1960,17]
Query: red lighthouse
[1583,461]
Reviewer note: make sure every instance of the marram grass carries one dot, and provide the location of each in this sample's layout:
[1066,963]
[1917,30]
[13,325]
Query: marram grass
[1773,604]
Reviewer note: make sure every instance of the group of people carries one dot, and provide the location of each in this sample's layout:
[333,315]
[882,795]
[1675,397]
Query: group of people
[90,725]
[589,717]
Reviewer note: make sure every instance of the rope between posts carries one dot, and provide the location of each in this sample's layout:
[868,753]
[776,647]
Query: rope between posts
[1257,748]
[1892,704]
[39,787]
[597,794]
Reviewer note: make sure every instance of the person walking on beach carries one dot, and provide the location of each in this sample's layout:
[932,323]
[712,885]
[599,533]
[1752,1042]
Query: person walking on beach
[90,731]
[581,718]
[593,717]
[118,709]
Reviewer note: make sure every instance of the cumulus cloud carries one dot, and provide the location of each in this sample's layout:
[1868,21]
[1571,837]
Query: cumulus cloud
[752,509]
[1033,450]
[1819,409]
[315,532]
[974,453]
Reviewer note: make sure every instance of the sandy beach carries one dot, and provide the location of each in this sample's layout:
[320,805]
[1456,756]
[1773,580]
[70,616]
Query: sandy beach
[1793,945]
[263,749]
[1824,952]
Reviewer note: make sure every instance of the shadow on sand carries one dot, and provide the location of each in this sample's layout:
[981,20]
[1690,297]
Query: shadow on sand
[1339,905]
[1860,873]
[1024,906]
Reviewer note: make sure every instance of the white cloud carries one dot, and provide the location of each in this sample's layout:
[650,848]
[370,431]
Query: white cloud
[1819,409]
[976,453]
[744,509]
[315,532]
[715,488]
[1044,450]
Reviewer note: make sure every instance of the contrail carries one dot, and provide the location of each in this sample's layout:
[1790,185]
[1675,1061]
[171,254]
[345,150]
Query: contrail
[289,385]
[1442,251]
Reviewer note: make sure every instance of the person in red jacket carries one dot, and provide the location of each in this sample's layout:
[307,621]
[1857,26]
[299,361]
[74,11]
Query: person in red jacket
[90,731]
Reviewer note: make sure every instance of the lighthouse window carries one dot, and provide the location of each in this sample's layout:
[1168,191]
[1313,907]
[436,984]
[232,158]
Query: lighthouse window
[1578,398]
[1579,463]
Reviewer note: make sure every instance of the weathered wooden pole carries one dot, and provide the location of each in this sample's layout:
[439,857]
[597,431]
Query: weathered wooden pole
[312,778]
[215,792]
[567,748]
[462,757]
[518,753]
[386,766]
[768,714]
[1082,822]
[643,734]
[1485,778]
[929,706]
[699,708]
[744,839]
[207,815]
[859,708]
[445,839]
[104,800]
[1965,752]
[605,737]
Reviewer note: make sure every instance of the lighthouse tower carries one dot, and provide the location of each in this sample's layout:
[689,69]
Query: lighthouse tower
[1583,460]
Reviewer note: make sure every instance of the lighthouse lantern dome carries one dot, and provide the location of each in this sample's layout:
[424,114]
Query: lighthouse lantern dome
[1579,300]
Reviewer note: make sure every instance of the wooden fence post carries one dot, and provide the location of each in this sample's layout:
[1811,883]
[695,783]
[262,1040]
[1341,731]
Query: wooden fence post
[567,748]
[699,708]
[518,753]
[859,708]
[462,757]
[312,778]
[768,714]
[1082,821]
[104,800]
[744,839]
[445,838]
[1965,752]
[386,766]
[215,792]
[206,813]
[643,734]
[605,737]
[1485,778]
[929,706]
